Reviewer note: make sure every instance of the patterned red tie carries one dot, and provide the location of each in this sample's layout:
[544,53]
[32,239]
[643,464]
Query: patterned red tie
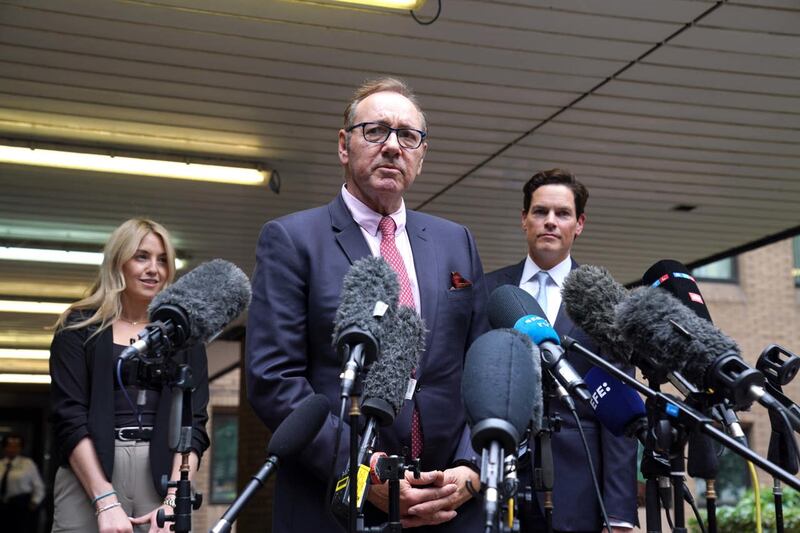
[392,256]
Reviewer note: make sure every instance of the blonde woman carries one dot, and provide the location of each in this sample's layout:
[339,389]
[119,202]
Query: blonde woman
[112,448]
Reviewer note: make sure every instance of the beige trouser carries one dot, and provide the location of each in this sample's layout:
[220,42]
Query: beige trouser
[132,480]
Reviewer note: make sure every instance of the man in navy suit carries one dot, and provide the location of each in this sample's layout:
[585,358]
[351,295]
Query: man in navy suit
[301,260]
[552,218]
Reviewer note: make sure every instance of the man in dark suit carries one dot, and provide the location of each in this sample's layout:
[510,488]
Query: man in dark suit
[301,260]
[552,218]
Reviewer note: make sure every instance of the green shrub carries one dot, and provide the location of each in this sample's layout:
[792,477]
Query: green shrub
[741,517]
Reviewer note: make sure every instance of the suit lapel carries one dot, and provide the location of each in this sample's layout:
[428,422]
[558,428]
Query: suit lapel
[564,323]
[426,268]
[346,231]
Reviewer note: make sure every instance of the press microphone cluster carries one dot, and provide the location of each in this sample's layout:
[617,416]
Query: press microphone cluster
[193,310]
[653,330]
[512,307]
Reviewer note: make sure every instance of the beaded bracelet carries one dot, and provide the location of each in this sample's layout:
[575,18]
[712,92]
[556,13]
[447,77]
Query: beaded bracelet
[106,495]
[106,508]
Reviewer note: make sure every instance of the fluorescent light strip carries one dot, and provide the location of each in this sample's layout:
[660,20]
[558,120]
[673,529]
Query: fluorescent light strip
[25,378]
[23,306]
[44,255]
[390,4]
[132,165]
[19,353]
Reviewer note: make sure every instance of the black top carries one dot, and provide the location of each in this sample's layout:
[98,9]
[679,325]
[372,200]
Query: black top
[136,405]
[82,394]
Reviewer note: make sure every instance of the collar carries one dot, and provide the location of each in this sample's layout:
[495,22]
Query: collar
[558,273]
[369,219]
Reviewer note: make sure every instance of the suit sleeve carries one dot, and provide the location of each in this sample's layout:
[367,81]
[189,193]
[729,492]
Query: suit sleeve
[277,357]
[70,386]
[198,362]
[619,474]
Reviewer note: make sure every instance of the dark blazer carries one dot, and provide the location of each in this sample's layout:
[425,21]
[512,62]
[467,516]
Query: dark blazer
[575,505]
[301,259]
[82,396]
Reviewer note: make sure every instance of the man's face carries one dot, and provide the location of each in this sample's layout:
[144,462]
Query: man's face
[379,174]
[551,225]
[13,447]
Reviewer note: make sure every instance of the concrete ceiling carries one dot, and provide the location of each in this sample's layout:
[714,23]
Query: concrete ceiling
[654,104]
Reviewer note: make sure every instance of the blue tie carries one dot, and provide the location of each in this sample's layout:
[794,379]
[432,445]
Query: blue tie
[542,277]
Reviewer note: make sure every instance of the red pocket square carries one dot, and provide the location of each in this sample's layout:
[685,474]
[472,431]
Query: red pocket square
[457,281]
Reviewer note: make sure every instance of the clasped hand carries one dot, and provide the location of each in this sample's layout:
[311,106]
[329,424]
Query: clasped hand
[432,499]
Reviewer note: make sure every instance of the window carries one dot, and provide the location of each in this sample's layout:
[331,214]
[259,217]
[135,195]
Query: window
[796,269]
[723,270]
[224,453]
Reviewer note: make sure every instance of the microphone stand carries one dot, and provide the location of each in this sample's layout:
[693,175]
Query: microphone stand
[686,416]
[655,468]
[543,472]
[180,440]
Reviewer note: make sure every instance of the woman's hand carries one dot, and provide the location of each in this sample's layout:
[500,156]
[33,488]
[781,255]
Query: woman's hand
[151,519]
[114,520]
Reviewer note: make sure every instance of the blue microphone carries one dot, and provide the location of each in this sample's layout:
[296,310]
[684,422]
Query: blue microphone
[543,335]
[617,406]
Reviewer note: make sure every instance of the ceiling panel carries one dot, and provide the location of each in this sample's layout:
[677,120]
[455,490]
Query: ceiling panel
[652,103]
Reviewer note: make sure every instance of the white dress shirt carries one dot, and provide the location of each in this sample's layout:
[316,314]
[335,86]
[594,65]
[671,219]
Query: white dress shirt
[558,274]
[23,478]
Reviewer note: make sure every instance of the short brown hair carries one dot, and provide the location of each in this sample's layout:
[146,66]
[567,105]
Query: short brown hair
[378,85]
[556,176]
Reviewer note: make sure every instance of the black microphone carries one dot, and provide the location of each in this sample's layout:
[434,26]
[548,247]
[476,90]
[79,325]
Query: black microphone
[508,305]
[655,322]
[369,290]
[194,309]
[500,389]
[402,341]
[590,296]
[290,438]
[673,277]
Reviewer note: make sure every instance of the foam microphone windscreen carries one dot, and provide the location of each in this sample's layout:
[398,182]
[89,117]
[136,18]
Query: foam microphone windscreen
[299,428]
[402,343]
[501,388]
[211,296]
[590,295]
[644,320]
[509,303]
[615,404]
[674,277]
[369,280]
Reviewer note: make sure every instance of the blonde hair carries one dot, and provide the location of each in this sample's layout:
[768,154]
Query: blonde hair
[104,295]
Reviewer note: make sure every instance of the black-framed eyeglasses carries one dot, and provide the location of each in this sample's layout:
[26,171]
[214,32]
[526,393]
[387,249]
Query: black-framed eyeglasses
[378,133]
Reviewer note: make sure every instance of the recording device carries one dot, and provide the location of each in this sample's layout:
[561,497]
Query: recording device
[590,297]
[512,307]
[500,388]
[402,340]
[655,322]
[369,290]
[290,438]
[673,277]
[617,406]
[193,310]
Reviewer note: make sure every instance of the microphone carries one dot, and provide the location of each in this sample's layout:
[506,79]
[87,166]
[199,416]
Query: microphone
[510,306]
[675,278]
[290,438]
[402,342]
[655,322]
[369,290]
[500,389]
[194,309]
[617,406]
